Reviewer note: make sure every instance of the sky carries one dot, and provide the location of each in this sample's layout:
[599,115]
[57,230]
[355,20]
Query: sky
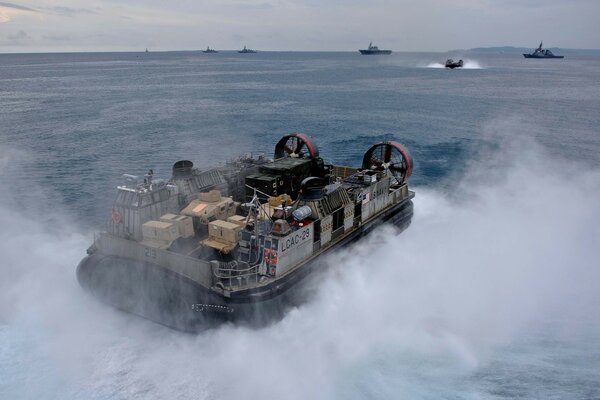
[304,25]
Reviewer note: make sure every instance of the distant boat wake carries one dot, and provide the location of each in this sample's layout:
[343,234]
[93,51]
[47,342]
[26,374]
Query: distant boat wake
[468,64]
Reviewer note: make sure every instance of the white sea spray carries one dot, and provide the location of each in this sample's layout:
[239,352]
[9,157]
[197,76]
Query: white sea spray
[512,247]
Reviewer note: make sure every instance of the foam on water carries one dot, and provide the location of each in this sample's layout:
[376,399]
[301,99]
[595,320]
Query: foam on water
[510,249]
[471,64]
[435,65]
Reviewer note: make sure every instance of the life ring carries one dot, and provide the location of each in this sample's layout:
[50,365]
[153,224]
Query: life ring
[116,217]
[270,256]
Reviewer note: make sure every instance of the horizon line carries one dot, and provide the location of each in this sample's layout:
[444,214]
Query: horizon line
[278,51]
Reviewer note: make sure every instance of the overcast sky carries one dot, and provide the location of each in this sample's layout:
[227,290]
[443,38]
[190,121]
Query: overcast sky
[411,25]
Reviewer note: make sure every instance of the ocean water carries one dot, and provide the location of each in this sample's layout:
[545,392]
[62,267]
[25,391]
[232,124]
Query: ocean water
[492,293]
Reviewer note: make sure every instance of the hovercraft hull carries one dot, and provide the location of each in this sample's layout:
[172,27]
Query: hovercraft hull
[171,299]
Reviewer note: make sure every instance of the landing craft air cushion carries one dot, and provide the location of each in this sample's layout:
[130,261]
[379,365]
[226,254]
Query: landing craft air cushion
[450,63]
[240,242]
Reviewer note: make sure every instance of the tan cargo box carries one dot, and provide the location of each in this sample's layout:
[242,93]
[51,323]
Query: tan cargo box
[224,231]
[158,230]
[207,211]
[210,197]
[238,220]
[215,231]
[224,224]
[232,235]
[183,223]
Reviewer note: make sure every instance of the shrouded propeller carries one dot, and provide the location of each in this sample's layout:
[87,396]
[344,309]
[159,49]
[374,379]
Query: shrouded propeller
[390,156]
[296,145]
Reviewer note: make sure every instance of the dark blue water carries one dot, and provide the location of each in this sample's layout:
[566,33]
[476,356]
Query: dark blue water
[491,293]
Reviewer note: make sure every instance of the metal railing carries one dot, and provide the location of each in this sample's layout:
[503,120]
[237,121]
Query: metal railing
[343,172]
[229,275]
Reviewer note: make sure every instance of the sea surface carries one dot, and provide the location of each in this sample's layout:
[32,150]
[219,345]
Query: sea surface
[492,293]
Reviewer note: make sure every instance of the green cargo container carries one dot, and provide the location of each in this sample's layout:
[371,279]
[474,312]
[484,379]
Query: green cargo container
[267,184]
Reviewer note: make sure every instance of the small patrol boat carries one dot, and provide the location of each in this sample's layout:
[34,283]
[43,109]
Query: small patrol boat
[247,50]
[374,50]
[209,50]
[541,53]
[240,242]
[450,63]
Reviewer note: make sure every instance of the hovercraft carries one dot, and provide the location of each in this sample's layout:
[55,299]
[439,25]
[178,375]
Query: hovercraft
[239,242]
[450,63]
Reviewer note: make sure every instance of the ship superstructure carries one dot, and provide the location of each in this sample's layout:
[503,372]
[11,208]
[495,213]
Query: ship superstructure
[237,242]
[540,52]
[246,50]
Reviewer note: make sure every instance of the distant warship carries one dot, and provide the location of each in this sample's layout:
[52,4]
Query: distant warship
[239,241]
[541,53]
[209,50]
[450,63]
[246,50]
[371,50]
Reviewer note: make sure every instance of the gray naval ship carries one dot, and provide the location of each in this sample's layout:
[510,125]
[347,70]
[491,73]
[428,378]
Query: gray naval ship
[541,53]
[374,50]
[247,50]
[240,242]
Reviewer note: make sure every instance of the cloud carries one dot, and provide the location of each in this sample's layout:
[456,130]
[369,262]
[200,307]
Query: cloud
[20,36]
[17,7]
[57,38]
[68,11]
[253,6]
[9,10]
[305,24]
[537,3]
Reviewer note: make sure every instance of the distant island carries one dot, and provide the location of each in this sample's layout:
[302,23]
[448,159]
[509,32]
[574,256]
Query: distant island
[520,50]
